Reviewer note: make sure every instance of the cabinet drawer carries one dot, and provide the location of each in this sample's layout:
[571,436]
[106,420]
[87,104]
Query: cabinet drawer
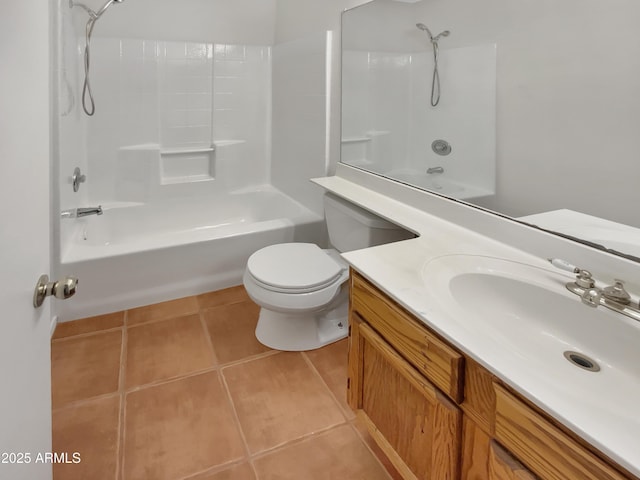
[543,447]
[437,361]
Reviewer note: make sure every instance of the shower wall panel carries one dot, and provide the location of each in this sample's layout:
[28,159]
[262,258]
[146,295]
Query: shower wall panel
[172,98]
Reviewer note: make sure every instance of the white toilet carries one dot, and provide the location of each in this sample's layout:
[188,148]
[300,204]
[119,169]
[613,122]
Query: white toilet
[302,288]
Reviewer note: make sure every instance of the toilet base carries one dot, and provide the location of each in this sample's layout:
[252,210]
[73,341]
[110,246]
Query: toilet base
[296,333]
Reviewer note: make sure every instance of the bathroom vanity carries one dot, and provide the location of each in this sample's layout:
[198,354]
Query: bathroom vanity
[438,414]
[459,340]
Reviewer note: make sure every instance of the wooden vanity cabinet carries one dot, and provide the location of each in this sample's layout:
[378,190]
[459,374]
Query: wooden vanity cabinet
[439,415]
[416,425]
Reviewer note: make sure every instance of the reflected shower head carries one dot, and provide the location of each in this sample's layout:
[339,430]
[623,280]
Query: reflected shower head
[94,15]
[424,28]
[105,6]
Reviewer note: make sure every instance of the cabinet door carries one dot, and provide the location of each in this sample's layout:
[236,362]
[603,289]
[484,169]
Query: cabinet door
[502,466]
[415,424]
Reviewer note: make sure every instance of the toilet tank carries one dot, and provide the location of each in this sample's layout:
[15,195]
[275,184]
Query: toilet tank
[351,227]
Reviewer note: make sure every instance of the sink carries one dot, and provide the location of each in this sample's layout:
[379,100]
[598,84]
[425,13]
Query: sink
[526,311]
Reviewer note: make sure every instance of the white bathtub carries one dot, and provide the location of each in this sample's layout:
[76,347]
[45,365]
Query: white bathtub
[137,254]
[438,183]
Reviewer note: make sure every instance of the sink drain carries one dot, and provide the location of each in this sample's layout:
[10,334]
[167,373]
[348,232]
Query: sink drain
[582,361]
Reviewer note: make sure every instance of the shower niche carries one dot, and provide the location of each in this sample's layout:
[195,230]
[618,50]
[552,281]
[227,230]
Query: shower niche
[186,165]
[407,85]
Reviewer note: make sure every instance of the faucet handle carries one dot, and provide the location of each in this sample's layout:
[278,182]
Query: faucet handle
[617,293]
[583,280]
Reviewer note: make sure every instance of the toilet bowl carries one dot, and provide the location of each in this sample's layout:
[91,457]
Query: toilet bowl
[302,289]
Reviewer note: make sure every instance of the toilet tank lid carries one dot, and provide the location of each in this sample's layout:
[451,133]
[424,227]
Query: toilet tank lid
[363,216]
[294,266]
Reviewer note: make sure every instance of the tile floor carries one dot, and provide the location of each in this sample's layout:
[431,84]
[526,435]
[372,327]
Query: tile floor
[182,390]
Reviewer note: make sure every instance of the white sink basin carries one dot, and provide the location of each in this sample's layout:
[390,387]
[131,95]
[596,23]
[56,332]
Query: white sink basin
[528,312]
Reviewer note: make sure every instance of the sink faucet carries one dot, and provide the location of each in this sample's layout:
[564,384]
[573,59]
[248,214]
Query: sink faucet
[432,170]
[614,297]
[81,212]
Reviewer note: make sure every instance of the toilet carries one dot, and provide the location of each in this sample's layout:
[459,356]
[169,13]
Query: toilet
[302,289]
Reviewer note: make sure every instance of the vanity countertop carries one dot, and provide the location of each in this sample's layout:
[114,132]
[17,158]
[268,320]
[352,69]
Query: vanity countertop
[608,419]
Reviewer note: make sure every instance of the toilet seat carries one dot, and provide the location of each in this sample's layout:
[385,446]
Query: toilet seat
[294,268]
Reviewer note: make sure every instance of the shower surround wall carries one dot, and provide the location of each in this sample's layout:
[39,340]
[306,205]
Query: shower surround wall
[389,124]
[177,118]
[179,156]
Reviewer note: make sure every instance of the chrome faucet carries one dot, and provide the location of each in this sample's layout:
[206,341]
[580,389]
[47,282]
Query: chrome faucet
[614,297]
[432,170]
[81,212]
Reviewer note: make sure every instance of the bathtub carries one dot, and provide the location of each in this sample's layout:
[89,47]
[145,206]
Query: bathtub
[137,254]
[438,183]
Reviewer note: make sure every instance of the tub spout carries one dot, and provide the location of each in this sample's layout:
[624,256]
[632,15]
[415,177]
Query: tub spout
[83,212]
[433,170]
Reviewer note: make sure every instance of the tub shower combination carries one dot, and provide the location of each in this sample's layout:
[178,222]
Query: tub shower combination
[137,254]
[178,191]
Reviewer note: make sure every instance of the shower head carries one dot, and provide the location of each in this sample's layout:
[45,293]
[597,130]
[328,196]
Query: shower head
[437,37]
[94,15]
[424,28]
[106,6]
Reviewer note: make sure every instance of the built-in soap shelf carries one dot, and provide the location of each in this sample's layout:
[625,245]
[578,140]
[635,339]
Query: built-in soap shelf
[367,137]
[359,150]
[348,140]
[227,143]
[151,170]
[182,151]
[187,164]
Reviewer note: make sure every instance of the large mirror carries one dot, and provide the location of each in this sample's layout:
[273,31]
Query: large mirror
[529,108]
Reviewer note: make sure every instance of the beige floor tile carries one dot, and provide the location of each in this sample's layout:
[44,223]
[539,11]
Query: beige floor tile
[232,331]
[278,398]
[331,362]
[90,429]
[223,297]
[337,454]
[237,472]
[179,428]
[89,325]
[166,349]
[377,451]
[162,311]
[85,367]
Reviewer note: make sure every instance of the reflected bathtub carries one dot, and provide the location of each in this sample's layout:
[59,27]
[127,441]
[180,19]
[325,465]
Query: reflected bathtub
[438,183]
[138,254]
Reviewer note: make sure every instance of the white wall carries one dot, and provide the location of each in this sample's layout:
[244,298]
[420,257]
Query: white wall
[299,18]
[248,22]
[567,97]
[299,117]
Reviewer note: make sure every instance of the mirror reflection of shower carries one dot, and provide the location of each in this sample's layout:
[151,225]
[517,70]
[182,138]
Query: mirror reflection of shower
[435,81]
[90,108]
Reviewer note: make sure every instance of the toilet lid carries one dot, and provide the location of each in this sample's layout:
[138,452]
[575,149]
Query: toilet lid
[294,266]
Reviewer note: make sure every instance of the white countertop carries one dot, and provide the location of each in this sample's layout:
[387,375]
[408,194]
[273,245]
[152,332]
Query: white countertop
[597,416]
[617,236]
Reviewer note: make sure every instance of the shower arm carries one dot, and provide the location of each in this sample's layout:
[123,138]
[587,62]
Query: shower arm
[93,14]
